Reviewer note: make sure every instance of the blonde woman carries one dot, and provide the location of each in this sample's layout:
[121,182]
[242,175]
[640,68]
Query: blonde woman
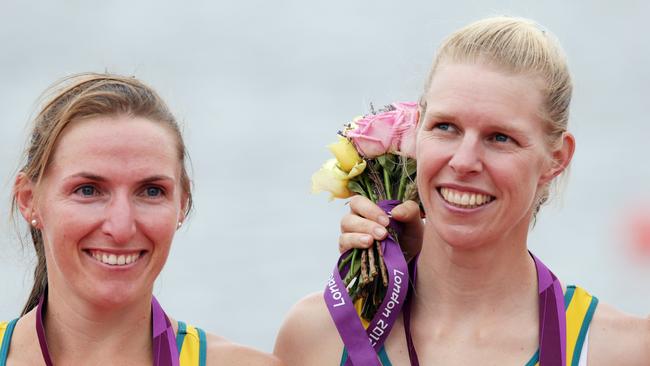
[492,137]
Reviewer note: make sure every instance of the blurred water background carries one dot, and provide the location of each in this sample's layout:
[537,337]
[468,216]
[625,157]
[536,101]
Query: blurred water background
[261,88]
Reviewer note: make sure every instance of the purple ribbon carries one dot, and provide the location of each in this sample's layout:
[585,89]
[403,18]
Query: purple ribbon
[165,352]
[40,330]
[552,317]
[363,344]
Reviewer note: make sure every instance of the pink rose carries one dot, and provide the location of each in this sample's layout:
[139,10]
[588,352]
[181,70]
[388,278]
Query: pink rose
[411,114]
[387,132]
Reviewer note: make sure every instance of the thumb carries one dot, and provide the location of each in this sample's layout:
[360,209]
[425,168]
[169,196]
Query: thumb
[407,213]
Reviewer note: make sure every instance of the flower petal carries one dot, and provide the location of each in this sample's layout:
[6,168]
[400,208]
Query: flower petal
[345,153]
[331,179]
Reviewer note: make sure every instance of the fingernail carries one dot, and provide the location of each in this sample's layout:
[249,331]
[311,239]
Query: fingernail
[366,239]
[384,220]
[379,232]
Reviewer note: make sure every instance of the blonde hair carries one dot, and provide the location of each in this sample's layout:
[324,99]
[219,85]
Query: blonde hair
[80,97]
[522,47]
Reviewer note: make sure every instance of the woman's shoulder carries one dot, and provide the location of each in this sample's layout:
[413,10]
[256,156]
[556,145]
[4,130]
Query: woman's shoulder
[311,306]
[221,351]
[308,335]
[307,321]
[617,338]
[218,349]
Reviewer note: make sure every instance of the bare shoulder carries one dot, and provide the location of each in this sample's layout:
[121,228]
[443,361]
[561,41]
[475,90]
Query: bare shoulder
[223,352]
[617,338]
[308,335]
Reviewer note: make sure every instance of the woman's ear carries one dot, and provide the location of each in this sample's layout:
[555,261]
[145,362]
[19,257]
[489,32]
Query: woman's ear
[185,202]
[24,193]
[561,157]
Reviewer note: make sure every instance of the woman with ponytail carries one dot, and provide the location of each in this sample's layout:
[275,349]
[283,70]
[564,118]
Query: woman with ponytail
[492,138]
[103,188]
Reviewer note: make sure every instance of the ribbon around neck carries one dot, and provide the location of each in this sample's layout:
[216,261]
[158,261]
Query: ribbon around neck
[552,317]
[363,344]
[165,352]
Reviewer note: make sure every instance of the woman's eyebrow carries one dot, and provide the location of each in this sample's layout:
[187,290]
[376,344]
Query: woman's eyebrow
[157,178]
[99,178]
[86,175]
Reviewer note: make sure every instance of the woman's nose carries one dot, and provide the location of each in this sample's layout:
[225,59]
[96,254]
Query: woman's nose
[119,220]
[466,158]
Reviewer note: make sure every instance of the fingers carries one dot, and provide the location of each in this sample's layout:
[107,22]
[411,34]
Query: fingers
[349,241]
[366,223]
[411,238]
[407,212]
[366,208]
[352,223]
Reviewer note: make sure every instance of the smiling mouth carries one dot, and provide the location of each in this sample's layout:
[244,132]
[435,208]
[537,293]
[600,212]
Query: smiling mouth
[113,259]
[465,200]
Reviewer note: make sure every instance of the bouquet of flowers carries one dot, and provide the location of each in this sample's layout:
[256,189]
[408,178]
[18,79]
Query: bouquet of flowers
[374,158]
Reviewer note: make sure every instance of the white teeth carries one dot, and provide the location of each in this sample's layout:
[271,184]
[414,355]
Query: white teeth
[114,259]
[465,199]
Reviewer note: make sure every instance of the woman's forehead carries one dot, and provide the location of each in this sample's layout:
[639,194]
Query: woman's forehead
[464,88]
[116,143]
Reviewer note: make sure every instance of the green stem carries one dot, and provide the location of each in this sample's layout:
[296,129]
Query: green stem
[350,277]
[371,192]
[345,261]
[354,260]
[402,184]
[387,184]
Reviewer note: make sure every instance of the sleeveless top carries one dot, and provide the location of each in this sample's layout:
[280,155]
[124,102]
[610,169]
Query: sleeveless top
[191,343]
[580,307]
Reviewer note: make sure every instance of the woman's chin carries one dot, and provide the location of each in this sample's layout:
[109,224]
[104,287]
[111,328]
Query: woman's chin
[462,238]
[111,295]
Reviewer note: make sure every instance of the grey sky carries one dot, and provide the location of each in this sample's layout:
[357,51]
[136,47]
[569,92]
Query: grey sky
[262,87]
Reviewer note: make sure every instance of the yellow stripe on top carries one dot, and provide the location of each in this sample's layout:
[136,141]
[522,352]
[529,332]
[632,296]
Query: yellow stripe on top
[579,312]
[3,327]
[191,348]
[192,345]
[578,316]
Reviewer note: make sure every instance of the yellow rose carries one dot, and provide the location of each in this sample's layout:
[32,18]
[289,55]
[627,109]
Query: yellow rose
[330,178]
[345,153]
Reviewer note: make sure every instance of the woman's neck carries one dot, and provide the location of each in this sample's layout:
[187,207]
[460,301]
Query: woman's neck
[475,285]
[79,331]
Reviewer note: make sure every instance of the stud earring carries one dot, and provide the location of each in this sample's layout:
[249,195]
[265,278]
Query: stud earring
[180,223]
[34,222]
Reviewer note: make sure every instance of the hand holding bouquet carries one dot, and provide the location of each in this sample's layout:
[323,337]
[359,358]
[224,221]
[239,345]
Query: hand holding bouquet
[374,158]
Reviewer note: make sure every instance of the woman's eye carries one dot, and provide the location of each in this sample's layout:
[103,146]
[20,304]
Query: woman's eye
[86,191]
[444,126]
[499,137]
[153,191]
